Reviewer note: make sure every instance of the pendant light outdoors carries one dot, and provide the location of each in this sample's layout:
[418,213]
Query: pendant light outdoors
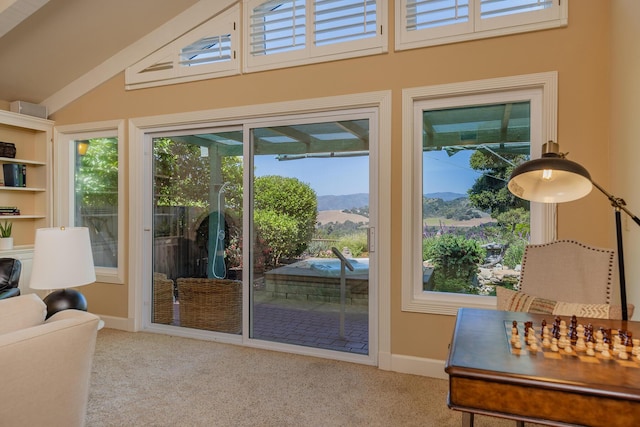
[550,179]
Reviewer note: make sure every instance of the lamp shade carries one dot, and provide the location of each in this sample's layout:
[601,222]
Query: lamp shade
[62,258]
[550,179]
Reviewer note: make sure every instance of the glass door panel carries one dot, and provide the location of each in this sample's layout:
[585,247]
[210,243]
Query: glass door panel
[309,228]
[197,226]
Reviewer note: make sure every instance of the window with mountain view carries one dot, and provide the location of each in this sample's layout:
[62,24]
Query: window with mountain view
[473,229]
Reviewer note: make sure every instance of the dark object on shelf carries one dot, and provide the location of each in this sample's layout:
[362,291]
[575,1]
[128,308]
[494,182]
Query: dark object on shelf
[10,269]
[15,175]
[7,149]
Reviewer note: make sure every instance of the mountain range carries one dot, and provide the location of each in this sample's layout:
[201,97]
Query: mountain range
[359,200]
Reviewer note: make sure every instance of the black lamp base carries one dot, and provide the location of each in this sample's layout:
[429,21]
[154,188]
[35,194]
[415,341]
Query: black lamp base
[64,299]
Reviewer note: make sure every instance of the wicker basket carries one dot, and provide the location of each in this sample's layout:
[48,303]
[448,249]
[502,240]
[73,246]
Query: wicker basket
[211,304]
[162,300]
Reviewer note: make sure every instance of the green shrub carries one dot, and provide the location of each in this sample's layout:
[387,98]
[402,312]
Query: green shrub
[456,260]
[356,242]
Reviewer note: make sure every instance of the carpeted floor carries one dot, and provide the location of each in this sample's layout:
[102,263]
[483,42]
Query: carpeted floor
[144,379]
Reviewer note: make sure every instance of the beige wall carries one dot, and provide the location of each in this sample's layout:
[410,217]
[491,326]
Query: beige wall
[580,53]
[625,132]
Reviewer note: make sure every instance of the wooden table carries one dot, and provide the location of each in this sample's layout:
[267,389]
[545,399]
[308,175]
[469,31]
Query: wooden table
[488,376]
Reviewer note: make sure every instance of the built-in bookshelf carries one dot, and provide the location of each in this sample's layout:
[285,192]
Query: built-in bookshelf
[32,138]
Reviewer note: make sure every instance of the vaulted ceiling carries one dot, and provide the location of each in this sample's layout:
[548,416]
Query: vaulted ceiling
[47,44]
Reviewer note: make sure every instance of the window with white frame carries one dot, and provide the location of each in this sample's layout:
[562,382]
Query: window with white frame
[281,33]
[90,192]
[431,22]
[208,51]
[464,231]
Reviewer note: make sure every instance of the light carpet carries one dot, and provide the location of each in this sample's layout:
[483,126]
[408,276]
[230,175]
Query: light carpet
[145,379]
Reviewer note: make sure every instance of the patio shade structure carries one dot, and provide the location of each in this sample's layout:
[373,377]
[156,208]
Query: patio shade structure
[555,179]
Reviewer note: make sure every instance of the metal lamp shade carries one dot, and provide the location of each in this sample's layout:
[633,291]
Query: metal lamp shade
[62,258]
[550,179]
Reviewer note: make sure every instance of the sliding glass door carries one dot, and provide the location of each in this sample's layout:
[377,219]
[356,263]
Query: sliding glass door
[270,220]
[197,229]
[309,231]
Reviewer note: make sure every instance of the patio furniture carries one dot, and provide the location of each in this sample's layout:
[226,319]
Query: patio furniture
[211,304]
[162,299]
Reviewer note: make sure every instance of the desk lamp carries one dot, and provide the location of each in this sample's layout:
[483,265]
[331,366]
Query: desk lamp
[62,258]
[554,179]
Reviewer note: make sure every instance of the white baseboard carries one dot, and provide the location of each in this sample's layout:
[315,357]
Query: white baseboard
[121,323]
[419,366]
[386,361]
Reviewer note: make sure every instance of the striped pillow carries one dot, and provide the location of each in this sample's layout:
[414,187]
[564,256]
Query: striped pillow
[509,300]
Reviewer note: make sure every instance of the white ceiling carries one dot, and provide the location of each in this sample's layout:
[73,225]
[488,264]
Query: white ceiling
[47,44]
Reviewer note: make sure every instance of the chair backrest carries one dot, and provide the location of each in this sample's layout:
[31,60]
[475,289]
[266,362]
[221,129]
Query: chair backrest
[10,269]
[566,270]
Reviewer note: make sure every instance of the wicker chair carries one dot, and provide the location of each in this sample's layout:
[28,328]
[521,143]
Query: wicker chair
[162,299]
[211,304]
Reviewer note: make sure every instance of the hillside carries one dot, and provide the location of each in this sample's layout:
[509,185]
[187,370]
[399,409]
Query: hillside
[337,216]
[359,200]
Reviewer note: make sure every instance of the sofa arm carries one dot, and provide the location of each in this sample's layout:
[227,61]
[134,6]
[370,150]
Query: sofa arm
[49,369]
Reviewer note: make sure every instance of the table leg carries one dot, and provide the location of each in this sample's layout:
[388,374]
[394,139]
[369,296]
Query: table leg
[467,419]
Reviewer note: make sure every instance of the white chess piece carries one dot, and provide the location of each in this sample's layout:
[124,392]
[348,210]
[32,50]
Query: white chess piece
[554,344]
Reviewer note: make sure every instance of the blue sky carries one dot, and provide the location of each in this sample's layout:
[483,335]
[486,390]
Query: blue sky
[349,175]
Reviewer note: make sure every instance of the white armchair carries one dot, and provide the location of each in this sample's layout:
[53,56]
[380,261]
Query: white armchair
[46,365]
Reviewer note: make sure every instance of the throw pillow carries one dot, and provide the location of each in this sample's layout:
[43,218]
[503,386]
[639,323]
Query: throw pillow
[21,312]
[510,300]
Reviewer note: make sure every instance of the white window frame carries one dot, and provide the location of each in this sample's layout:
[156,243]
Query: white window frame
[313,54]
[140,229]
[226,23]
[64,168]
[541,91]
[477,28]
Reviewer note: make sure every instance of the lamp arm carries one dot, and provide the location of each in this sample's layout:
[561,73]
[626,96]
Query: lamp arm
[617,202]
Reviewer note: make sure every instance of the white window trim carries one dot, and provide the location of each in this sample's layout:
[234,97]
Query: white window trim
[64,188]
[312,54]
[477,28]
[540,88]
[226,22]
[140,228]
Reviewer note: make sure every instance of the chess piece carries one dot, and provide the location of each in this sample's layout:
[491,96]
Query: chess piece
[554,345]
[636,346]
[590,351]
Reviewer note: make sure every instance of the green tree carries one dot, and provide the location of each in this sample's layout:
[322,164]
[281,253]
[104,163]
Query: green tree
[490,193]
[288,198]
[97,173]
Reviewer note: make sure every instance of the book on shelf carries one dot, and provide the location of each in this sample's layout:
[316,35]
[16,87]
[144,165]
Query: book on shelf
[15,175]
[9,210]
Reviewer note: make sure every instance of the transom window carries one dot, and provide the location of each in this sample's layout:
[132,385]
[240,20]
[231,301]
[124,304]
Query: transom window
[430,22]
[287,33]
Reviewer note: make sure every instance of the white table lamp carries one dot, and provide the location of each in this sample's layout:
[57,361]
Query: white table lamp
[62,259]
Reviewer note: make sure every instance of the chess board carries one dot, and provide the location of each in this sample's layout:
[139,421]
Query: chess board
[545,352]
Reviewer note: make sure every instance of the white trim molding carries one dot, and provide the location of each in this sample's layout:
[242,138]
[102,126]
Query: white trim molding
[541,89]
